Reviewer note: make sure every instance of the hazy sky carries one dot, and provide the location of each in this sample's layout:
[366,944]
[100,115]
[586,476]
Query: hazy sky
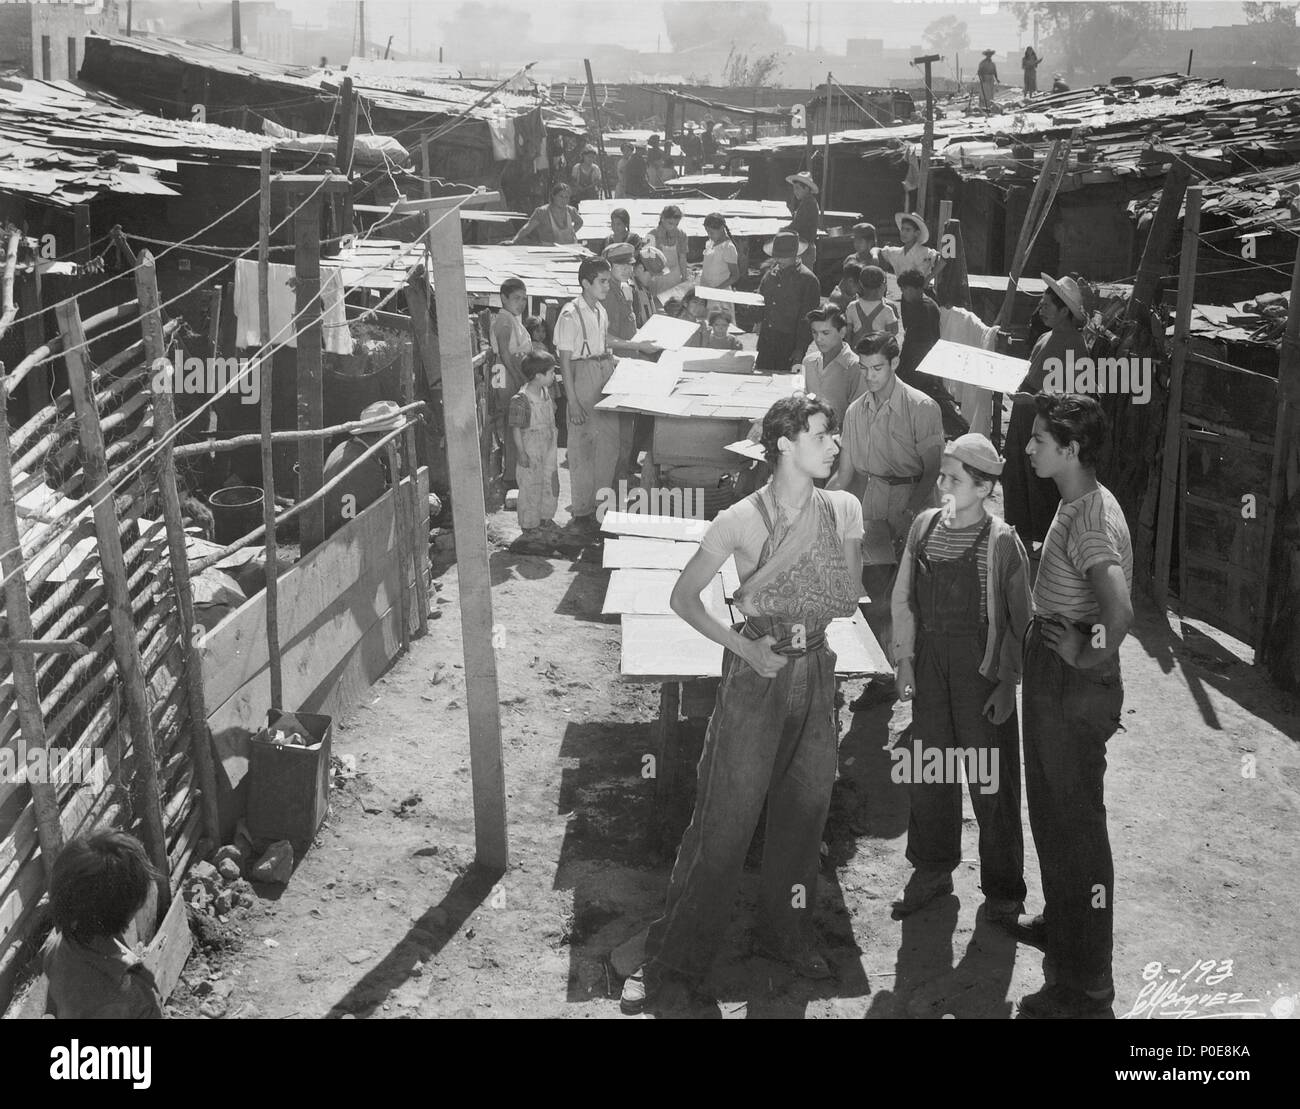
[639,25]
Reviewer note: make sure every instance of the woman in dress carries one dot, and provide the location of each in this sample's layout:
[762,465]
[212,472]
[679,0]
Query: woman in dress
[721,269]
[551,224]
[988,75]
[1029,64]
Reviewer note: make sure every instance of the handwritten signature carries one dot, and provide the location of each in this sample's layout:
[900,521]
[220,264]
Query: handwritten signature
[1173,994]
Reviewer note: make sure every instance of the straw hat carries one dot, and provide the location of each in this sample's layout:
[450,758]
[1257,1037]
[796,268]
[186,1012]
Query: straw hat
[385,410]
[785,245]
[923,235]
[804,179]
[989,53]
[1068,290]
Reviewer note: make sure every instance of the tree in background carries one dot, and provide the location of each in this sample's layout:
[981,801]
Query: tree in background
[949,37]
[1280,31]
[1088,38]
[739,72]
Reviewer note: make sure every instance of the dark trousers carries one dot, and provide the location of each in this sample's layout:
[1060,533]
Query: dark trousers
[776,350]
[772,739]
[948,714]
[1070,713]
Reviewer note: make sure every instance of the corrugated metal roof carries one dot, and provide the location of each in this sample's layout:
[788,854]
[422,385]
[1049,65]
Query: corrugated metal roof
[67,145]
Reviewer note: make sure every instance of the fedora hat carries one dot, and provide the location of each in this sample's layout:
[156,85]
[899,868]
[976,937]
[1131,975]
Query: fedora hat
[804,179]
[786,244]
[989,53]
[923,236]
[1068,290]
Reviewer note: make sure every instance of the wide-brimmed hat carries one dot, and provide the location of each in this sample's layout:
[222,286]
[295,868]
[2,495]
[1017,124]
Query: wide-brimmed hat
[989,53]
[384,411]
[1068,290]
[654,259]
[975,450]
[923,236]
[803,179]
[785,244]
[621,253]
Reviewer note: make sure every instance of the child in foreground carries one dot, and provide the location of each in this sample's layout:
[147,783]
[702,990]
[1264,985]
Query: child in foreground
[98,885]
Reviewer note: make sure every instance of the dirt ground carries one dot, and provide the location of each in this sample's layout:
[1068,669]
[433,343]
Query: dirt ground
[386,917]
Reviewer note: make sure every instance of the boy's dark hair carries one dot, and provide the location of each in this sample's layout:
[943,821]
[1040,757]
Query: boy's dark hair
[98,884]
[719,314]
[621,215]
[878,342]
[871,277]
[1075,419]
[911,279]
[532,323]
[559,187]
[828,313]
[865,231]
[690,294]
[671,211]
[788,418]
[590,268]
[852,270]
[980,475]
[535,362]
[511,285]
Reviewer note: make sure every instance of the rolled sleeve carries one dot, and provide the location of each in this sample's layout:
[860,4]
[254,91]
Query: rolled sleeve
[568,335]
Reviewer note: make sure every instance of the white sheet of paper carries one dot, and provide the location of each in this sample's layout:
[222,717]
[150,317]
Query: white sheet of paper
[668,331]
[739,365]
[729,296]
[986,369]
[748,449]
[635,375]
[674,528]
[648,403]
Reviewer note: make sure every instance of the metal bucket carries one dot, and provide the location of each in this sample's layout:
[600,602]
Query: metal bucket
[236,511]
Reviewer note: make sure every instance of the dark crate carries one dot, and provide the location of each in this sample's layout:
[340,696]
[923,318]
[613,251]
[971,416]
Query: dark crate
[289,787]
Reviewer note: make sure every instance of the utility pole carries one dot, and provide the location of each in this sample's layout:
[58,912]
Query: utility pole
[807,27]
[361,17]
[927,140]
[826,145]
[236,34]
[410,41]
[388,47]
[129,14]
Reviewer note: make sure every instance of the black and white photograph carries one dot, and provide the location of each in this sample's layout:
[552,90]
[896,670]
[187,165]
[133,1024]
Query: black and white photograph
[691,510]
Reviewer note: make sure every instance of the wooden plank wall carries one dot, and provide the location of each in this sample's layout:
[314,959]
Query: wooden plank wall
[338,634]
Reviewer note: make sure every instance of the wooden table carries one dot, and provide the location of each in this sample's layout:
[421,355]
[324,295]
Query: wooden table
[659,648]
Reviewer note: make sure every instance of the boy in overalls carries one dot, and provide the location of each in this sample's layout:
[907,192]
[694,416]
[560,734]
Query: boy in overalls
[961,609]
[772,736]
[532,427]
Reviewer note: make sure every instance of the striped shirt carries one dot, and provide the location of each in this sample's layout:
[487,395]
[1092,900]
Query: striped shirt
[1086,532]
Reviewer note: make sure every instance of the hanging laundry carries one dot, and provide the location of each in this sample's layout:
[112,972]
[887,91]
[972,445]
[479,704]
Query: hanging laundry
[502,129]
[282,301]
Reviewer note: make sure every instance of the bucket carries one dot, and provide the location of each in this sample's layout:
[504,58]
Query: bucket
[236,511]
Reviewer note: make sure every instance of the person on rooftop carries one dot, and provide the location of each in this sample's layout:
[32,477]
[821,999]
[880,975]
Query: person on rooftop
[1029,64]
[807,214]
[988,77]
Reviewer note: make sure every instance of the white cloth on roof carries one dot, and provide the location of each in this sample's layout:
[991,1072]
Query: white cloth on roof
[960,325]
[282,301]
[502,129]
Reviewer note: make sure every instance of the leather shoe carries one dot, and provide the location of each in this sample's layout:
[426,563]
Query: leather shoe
[922,888]
[1065,1003]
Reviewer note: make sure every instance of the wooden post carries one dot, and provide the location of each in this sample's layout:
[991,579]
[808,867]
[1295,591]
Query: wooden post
[826,146]
[348,104]
[18,615]
[927,139]
[400,525]
[469,512]
[428,169]
[164,421]
[311,401]
[236,34]
[1152,265]
[267,389]
[600,132]
[1284,438]
[112,563]
[1169,497]
[419,536]
[945,212]
[36,384]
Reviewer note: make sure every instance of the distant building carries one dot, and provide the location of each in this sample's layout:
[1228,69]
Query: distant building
[1246,56]
[47,41]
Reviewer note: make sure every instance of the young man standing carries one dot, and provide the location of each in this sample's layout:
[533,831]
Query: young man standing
[586,355]
[832,373]
[790,291]
[1073,697]
[920,332]
[772,736]
[892,449]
